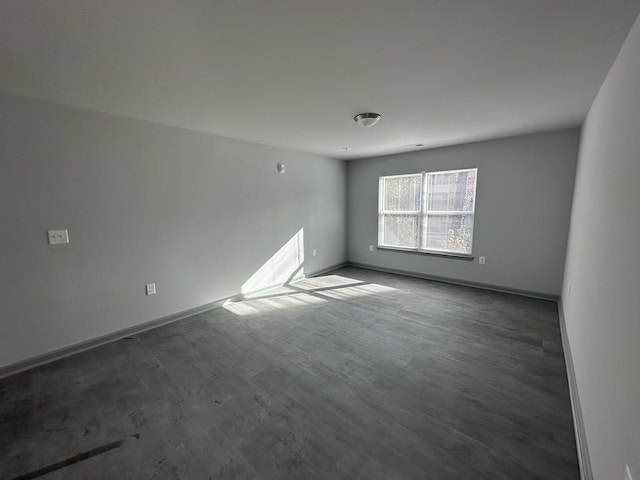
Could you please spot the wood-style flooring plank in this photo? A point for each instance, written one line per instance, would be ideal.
(352, 375)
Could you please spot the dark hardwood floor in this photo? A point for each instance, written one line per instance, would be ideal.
(352, 375)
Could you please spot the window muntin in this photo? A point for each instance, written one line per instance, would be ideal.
(428, 211)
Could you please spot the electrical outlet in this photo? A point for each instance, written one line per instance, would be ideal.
(151, 288)
(627, 473)
(482, 260)
(371, 248)
(314, 252)
(56, 237)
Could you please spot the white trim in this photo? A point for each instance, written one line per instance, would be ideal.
(48, 357)
(449, 212)
(400, 212)
(455, 170)
(453, 281)
(422, 215)
(402, 175)
(431, 251)
(584, 459)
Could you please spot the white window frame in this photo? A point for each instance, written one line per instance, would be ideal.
(382, 212)
(423, 214)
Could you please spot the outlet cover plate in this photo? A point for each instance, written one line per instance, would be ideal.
(57, 237)
(151, 288)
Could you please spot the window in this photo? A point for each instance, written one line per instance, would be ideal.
(428, 211)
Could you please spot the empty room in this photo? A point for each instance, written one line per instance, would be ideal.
(319, 240)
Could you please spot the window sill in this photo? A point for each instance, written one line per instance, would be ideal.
(435, 253)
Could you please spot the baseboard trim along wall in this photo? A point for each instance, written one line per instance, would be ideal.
(581, 441)
(317, 273)
(135, 330)
(483, 286)
(584, 459)
(109, 337)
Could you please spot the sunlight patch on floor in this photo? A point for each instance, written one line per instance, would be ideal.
(359, 290)
(260, 305)
(304, 293)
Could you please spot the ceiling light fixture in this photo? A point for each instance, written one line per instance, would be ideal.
(367, 119)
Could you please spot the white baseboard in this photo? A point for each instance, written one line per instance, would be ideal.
(57, 354)
(586, 473)
(482, 286)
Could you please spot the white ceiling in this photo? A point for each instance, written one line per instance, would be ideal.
(293, 73)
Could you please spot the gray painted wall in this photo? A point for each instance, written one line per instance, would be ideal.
(195, 213)
(523, 202)
(602, 311)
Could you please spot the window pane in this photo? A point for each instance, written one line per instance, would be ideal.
(452, 191)
(402, 193)
(400, 230)
(448, 232)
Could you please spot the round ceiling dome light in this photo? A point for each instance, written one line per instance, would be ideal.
(367, 119)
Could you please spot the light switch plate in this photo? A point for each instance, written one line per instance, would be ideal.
(57, 237)
(482, 260)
